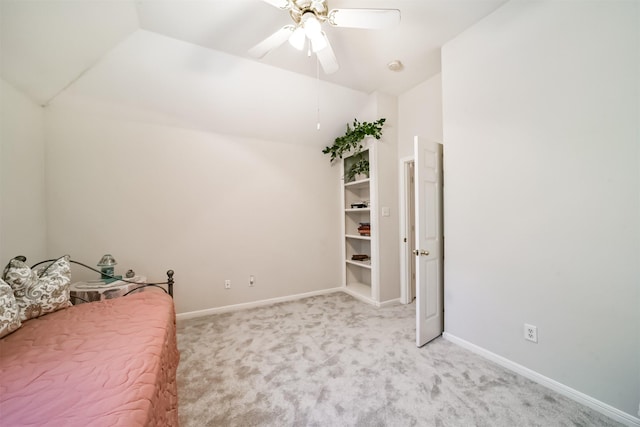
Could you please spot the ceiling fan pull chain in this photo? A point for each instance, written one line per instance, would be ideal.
(318, 80)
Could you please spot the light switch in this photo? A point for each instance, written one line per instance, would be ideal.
(385, 211)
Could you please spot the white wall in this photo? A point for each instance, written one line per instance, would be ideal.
(420, 113)
(542, 210)
(216, 168)
(22, 189)
(387, 167)
(210, 206)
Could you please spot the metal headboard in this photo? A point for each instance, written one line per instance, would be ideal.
(169, 283)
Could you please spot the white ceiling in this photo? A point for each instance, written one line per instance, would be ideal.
(47, 45)
(235, 26)
(168, 82)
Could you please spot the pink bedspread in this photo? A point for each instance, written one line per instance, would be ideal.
(107, 363)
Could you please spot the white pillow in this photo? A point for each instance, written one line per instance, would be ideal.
(9, 310)
(39, 291)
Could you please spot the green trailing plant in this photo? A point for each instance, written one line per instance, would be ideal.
(351, 143)
(359, 166)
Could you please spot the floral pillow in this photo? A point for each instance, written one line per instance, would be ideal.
(9, 310)
(39, 291)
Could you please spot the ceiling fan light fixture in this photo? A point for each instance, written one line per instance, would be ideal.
(309, 16)
(311, 25)
(297, 38)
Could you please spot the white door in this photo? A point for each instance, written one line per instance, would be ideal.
(428, 253)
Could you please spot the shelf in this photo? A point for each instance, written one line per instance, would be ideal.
(358, 210)
(357, 184)
(359, 263)
(355, 236)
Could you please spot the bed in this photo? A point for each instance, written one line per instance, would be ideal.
(104, 363)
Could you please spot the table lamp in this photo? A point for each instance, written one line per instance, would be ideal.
(106, 264)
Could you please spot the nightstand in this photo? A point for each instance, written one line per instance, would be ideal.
(98, 291)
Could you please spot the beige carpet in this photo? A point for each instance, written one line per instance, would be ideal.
(335, 361)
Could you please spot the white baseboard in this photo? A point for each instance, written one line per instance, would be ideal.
(603, 408)
(358, 296)
(368, 300)
(262, 303)
(253, 304)
(389, 302)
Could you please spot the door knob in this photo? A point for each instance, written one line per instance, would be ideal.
(421, 252)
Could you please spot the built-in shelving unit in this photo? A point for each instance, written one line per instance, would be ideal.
(359, 229)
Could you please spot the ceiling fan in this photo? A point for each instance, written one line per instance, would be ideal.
(308, 17)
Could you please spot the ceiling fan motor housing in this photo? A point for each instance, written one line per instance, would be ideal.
(300, 7)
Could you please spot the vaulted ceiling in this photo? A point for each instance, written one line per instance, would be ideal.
(185, 62)
(363, 55)
(46, 45)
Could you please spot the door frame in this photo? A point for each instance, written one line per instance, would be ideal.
(405, 231)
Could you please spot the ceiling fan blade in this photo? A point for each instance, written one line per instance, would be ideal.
(272, 42)
(280, 4)
(374, 19)
(327, 58)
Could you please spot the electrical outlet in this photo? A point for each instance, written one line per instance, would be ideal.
(530, 333)
(227, 284)
(252, 280)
